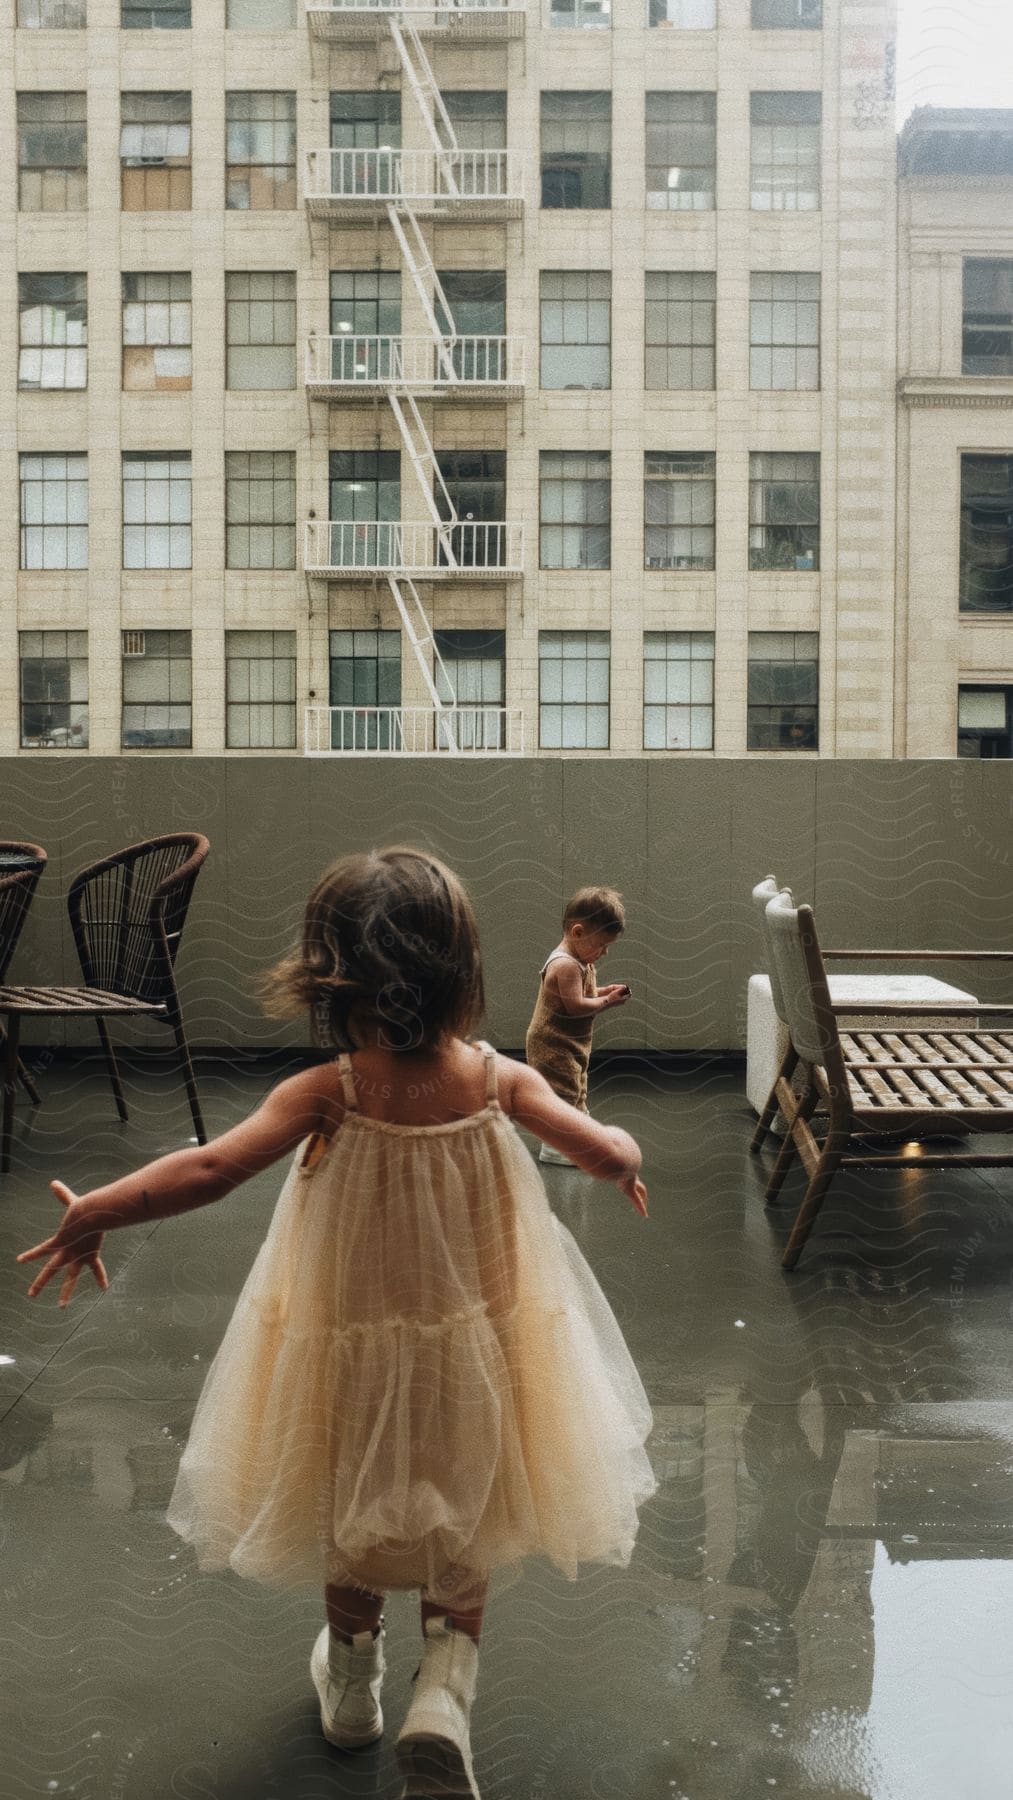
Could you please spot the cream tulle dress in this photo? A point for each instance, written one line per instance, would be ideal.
(422, 1381)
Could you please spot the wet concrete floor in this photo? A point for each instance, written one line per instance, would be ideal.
(821, 1598)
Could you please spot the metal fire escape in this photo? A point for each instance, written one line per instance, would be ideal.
(422, 368)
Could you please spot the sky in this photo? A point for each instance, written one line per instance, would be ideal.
(954, 53)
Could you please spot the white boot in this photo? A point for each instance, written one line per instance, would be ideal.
(433, 1746)
(347, 1677)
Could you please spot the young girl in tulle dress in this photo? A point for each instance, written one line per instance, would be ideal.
(422, 1382)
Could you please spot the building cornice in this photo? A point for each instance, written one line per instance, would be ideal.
(956, 390)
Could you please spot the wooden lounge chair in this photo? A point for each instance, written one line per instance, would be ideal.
(876, 1082)
(127, 914)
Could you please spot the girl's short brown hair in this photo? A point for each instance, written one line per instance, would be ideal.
(601, 908)
(389, 944)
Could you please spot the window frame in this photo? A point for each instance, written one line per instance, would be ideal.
(696, 658)
(768, 193)
(797, 715)
(60, 497)
(70, 166)
(177, 698)
(156, 170)
(583, 524)
(596, 309)
(284, 670)
(281, 480)
(699, 308)
(56, 351)
(74, 659)
(999, 323)
(764, 555)
(564, 704)
(696, 485)
(251, 304)
(699, 118)
(992, 575)
(177, 521)
(772, 309)
(276, 175)
(143, 306)
(572, 169)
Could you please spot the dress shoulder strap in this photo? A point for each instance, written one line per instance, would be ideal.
(560, 956)
(491, 1091)
(344, 1067)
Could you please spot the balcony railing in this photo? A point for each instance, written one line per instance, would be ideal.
(475, 548)
(456, 18)
(351, 183)
(477, 367)
(414, 731)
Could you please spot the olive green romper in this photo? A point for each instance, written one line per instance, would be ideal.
(558, 1045)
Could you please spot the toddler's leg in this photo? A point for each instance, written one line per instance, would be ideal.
(434, 1744)
(351, 1610)
(347, 1667)
(459, 1618)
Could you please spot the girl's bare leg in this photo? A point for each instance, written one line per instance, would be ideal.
(460, 1618)
(351, 1610)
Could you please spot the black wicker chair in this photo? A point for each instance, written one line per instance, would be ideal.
(127, 914)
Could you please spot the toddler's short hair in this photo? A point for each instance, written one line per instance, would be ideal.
(600, 908)
(389, 941)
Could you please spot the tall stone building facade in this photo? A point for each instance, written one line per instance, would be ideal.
(540, 358)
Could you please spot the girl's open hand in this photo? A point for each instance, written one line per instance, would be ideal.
(636, 1193)
(74, 1247)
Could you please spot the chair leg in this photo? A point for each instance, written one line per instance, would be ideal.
(188, 1075)
(111, 1068)
(789, 1150)
(772, 1107)
(28, 1084)
(830, 1156)
(10, 1081)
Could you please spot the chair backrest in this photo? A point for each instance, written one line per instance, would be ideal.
(127, 914)
(20, 868)
(763, 893)
(804, 989)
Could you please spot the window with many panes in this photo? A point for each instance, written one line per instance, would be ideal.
(156, 509)
(576, 323)
(260, 329)
(678, 690)
(575, 509)
(985, 722)
(576, 149)
(784, 331)
(784, 509)
(54, 511)
(52, 152)
(157, 322)
(164, 15)
(988, 316)
(260, 151)
(364, 506)
(679, 309)
(365, 684)
(155, 174)
(787, 15)
(475, 316)
(472, 672)
(53, 15)
(260, 690)
(986, 534)
(681, 170)
(365, 321)
(679, 509)
(580, 15)
(260, 15)
(479, 119)
(54, 689)
(260, 509)
(52, 331)
(475, 484)
(365, 141)
(782, 690)
(156, 690)
(785, 152)
(683, 15)
(573, 690)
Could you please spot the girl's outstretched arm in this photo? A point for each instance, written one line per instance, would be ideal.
(602, 1150)
(183, 1180)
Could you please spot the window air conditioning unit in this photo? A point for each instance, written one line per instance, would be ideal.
(133, 643)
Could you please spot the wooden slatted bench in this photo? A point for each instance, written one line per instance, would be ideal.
(871, 1084)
